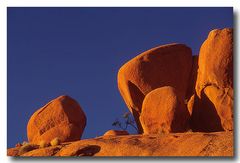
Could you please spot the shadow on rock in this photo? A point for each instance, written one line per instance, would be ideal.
(204, 116)
(90, 150)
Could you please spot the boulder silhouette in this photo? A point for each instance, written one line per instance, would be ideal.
(164, 112)
(214, 85)
(167, 65)
(61, 117)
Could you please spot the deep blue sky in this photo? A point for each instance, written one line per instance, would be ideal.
(78, 52)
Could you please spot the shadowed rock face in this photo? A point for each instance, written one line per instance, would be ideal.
(61, 117)
(193, 77)
(164, 112)
(214, 86)
(204, 115)
(168, 65)
(185, 144)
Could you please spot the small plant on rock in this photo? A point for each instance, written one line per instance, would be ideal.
(56, 141)
(127, 121)
(24, 142)
(43, 144)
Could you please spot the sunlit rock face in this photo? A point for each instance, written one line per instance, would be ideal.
(61, 117)
(115, 133)
(167, 65)
(164, 112)
(173, 144)
(212, 109)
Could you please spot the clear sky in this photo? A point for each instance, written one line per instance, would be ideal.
(78, 52)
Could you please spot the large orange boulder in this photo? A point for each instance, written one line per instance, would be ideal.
(167, 65)
(164, 112)
(61, 117)
(216, 60)
(214, 85)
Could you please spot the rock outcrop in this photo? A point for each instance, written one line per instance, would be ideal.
(164, 112)
(115, 133)
(61, 117)
(212, 109)
(180, 144)
(168, 65)
(168, 91)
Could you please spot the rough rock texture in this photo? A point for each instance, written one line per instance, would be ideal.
(164, 112)
(115, 132)
(13, 151)
(61, 117)
(222, 99)
(181, 144)
(214, 85)
(168, 65)
(216, 60)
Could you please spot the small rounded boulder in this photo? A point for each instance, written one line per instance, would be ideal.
(62, 117)
(164, 112)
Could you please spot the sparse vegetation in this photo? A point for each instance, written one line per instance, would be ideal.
(24, 142)
(56, 141)
(43, 144)
(128, 120)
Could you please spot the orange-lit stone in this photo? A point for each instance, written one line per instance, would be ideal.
(164, 112)
(180, 144)
(61, 117)
(167, 65)
(214, 86)
(115, 132)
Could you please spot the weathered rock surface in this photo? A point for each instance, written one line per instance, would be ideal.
(214, 85)
(164, 112)
(180, 144)
(115, 132)
(216, 60)
(168, 65)
(61, 117)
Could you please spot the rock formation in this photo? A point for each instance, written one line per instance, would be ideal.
(180, 144)
(164, 112)
(213, 102)
(61, 117)
(168, 65)
(167, 90)
(115, 133)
